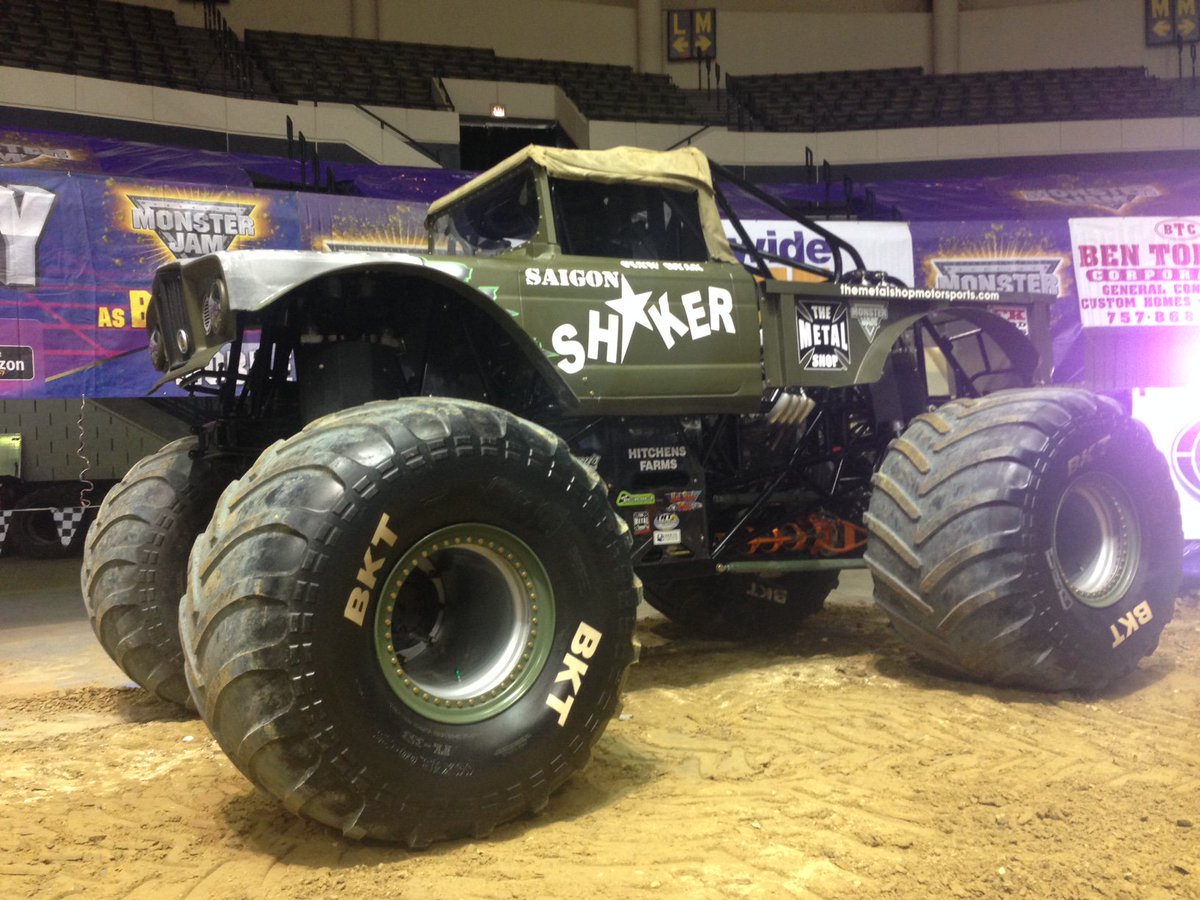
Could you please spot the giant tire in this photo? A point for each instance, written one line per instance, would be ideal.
(739, 606)
(1030, 538)
(135, 563)
(393, 698)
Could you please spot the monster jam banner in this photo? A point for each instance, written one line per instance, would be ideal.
(78, 254)
(1029, 257)
(1139, 271)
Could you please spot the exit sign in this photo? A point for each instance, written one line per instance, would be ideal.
(692, 34)
(1169, 21)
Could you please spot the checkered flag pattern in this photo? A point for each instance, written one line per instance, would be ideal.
(67, 520)
(5, 515)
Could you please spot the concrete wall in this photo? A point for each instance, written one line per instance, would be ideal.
(27, 88)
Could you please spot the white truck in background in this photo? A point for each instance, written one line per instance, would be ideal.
(58, 457)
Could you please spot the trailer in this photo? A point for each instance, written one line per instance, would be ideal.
(58, 459)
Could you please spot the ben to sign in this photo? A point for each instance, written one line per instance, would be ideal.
(1168, 21)
(692, 34)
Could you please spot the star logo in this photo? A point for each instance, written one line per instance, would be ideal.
(631, 307)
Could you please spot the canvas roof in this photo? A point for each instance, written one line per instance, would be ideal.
(685, 169)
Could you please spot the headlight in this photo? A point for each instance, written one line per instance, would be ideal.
(212, 309)
(183, 342)
(158, 353)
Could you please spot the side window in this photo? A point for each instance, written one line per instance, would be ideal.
(627, 221)
(491, 221)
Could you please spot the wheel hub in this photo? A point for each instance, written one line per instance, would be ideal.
(464, 623)
(1096, 541)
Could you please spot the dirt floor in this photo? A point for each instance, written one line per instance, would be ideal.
(825, 765)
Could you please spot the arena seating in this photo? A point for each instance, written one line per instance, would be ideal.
(404, 74)
(124, 42)
(97, 38)
(907, 98)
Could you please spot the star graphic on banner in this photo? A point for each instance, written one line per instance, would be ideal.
(631, 307)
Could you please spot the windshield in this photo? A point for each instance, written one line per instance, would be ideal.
(491, 221)
(629, 221)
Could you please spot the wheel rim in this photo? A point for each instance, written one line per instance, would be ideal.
(465, 623)
(1097, 542)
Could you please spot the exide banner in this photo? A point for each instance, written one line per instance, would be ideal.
(884, 246)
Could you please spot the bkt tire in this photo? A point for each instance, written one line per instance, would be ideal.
(411, 620)
(739, 606)
(1031, 538)
(135, 563)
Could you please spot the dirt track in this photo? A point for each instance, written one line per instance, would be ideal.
(827, 765)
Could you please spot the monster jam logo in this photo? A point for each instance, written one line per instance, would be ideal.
(22, 154)
(823, 336)
(869, 316)
(1030, 275)
(193, 227)
(1117, 199)
(1185, 459)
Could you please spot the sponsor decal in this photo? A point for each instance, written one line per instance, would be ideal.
(657, 459)
(368, 575)
(1185, 458)
(583, 646)
(762, 591)
(16, 363)
(641, 521)
(695, 315)
(1116, 199)
(24, 210)
(1017, 315)
(869, 317)
(1127, 624)
(666, 521)
(1022, 275)
(592, 461)
(668, 538)
(683, 501)
(627, 498)
(822, 336)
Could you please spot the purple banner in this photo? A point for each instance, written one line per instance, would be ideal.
(79, 254)
(101, 156)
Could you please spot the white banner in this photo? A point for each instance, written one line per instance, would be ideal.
(1174, 422)
(1137, 270)
(884, 246)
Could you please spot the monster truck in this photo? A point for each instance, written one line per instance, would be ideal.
(421, 526)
